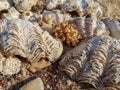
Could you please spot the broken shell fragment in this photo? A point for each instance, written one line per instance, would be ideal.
(12, 13)
(4, 4)
(24, 5)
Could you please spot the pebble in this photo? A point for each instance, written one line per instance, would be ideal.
(36, 84)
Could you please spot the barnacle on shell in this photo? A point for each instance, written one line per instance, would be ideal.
(66, 32)
(22, 38)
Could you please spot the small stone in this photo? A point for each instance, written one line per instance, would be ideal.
(48, 86)
(35, 84)
(1, 88)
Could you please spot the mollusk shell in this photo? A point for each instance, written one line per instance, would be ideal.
(94, 61)
(78, 55)
(93, 69)
(22, 38)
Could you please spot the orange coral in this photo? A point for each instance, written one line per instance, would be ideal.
(67, 33)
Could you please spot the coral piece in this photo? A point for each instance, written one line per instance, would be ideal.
(21, 38)
(48, 19)
(57, 16)
(24, 5)
(95, 60)
(66, 32)
(4, 4)
(10, 65)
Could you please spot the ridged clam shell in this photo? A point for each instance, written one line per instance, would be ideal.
(22, 38)
(94, 63)
(56, 16)
(112, 71)
(73, 61)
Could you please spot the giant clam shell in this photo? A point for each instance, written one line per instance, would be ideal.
(81, 7)
(22, 38)
(94, 67)
(73, 61)
(94, 61)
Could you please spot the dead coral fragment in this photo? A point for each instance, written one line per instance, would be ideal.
(66, 32)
